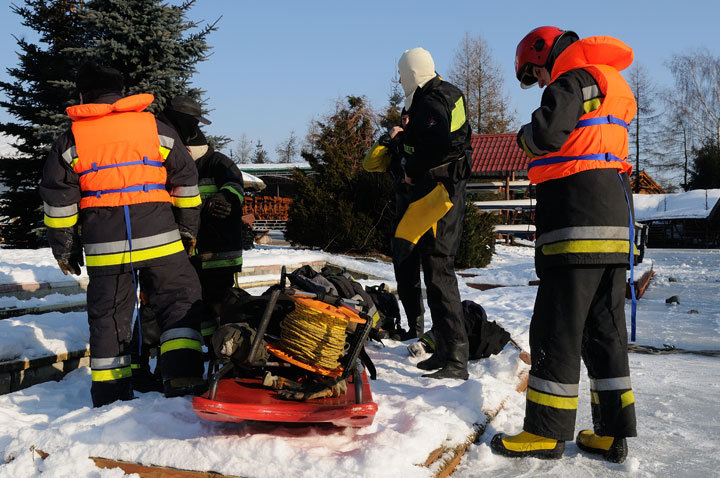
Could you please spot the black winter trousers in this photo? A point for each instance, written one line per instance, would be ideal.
(173, 289)
(579, 313)
(435, 251)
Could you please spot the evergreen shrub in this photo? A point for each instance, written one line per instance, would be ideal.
(477, 244)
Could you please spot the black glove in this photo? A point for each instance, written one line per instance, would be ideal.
(218, 206)
(71, 264)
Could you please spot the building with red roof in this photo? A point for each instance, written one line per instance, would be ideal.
(498, 156)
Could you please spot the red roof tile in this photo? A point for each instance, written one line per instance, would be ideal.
(495, 153)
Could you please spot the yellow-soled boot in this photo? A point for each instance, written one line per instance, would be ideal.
(611, 448)
(527, 444)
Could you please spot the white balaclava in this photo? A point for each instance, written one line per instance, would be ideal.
(416, 68)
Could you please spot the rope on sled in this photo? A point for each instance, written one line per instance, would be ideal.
(313, 336)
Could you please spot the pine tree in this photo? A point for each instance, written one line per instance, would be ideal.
(39, 93)
(342, 208)
(705, 173)
(477, 243)
(151, 42)
(260, 156)
(391, 115)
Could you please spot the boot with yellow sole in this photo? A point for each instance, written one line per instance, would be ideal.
(611, 448)
(527, 444)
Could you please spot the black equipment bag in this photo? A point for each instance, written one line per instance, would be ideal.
(486, 338)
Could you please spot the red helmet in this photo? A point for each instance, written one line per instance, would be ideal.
(534, 50)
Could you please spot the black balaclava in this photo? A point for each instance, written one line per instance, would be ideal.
(565, 40)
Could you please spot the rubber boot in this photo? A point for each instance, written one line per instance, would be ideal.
(181, 386)
(433, 363)
(456, 360)
(611, 448)
(527, 444)
(437, 359)
(416, 328)
(143, 380)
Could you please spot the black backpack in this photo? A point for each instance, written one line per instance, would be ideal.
(388, 323)
(486, 338)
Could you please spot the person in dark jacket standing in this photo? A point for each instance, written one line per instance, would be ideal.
(220, 238)
(578, 145)
(121, 186)
(385, 156)
(432, 159)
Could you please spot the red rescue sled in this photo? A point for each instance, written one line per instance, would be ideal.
(246, 398)
(243, 399)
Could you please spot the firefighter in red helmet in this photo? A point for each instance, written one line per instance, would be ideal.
(578, 144)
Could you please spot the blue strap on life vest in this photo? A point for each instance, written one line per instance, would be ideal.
(129, 189)
(128, 230)
(608, 157)
(145, 161)
(633, 307)
(609, 119)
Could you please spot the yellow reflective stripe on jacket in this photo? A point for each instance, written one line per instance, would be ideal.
(186, 201)
(166, 145)
(458, 115)
(423, 214)
(627, 398)
(177, 344)
(565, 403)
(185, 196)
(137, 256)
(591, 105)
(112, 374)
(70, 156)
(588, 247)
(60, 222)
(577, 233)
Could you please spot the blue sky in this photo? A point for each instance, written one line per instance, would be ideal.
(275, 65)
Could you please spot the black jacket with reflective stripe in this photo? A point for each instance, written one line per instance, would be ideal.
(429, 141)
(104, 227)
(582, 218)
(220, 239)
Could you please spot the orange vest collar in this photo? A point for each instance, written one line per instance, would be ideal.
(600, 50)
(91, 110)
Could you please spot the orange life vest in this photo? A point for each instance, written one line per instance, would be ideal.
(118, 150)
(600, 138)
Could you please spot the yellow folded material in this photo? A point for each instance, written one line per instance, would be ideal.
(377, 159)
(423, 214)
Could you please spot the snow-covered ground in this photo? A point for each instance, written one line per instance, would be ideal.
(677, 396)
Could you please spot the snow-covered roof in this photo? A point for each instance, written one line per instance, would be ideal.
(696, 204)
(273, 167)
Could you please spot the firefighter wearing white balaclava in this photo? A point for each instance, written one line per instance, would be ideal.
(432, 150)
